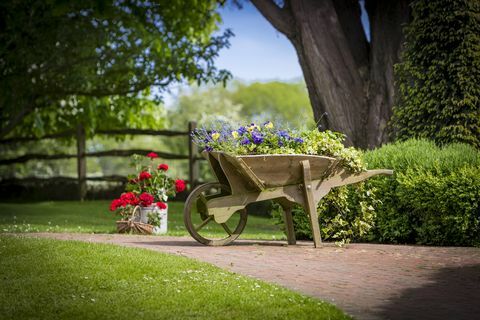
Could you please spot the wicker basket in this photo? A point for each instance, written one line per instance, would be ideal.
(132, 226)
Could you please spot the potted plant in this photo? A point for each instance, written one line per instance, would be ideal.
(148, 192)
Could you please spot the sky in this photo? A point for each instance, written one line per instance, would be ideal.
(257, 51)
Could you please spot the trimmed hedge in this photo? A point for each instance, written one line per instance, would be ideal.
(433, 198)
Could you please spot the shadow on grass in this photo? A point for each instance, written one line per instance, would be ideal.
(454, 293)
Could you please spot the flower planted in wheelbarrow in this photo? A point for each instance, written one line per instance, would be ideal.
(148, 192)
(268, 138)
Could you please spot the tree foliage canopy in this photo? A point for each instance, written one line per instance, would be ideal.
(56, 51)
(284, 101)
(439, 77)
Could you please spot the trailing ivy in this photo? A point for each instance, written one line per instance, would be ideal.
(439, 76)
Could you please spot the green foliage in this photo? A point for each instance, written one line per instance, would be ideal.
(285, 102)
(81, 55)
(434, 196)
(268, 139)
(112, 112)
(51, 279)
(346, 214)
(439, 77)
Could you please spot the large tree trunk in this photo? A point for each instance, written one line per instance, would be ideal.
(349, 80)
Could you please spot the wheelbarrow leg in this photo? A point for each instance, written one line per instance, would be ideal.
(287, 217)
(310, 204)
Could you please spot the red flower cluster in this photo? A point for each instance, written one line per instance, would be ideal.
(117, 203)
(179, 185)
(152, 155)
(144, 175)
(162, 205)
(146, 199)
(163, 167)
(128, 198)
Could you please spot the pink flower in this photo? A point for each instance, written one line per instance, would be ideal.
(162, 205)
(146, 199)
(179, 185)
(152, 155)
(144, 175)
(163, 167)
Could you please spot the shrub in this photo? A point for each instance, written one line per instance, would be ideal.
(439, 76)
(433, 198)
(346, 214)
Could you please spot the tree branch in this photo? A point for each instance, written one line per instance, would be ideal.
(280, 18)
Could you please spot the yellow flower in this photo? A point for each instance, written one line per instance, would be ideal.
(269, 125)
(215, 136)
(235, 134)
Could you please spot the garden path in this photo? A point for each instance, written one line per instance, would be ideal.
(368, 281)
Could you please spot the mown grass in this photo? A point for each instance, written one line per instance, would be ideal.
(51, 279)
(94, 217)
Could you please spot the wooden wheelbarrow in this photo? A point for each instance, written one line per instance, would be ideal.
(287, 179)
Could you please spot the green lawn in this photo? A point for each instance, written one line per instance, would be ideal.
(51, 279)
(94, 217)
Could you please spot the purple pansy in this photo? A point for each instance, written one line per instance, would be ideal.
(257, 137)
(241, 130)
(245, 141)
(283, 134)
(298, 140)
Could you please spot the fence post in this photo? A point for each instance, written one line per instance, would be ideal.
(192, 156)
(81, 163)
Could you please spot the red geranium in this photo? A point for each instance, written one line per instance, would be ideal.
(163, 167)
(146, 199)
(162, 205)
(117, 203)
(130, 198)
(152, 155)
(179, 185)
(144, 175)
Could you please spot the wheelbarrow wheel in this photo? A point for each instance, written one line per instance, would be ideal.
(201, 226)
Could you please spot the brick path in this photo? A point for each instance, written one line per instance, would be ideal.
(367, 281)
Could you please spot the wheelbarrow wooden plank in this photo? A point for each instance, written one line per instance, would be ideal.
(310, 203)
(284, 169)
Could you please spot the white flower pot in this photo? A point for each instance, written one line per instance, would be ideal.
(162, 215)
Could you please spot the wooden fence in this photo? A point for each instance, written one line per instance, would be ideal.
(81, 155)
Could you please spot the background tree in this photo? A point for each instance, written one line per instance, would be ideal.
(439, 76)
(286, 102)
(56, 51)
(348, 77)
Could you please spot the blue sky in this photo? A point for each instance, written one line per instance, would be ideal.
(257, 51)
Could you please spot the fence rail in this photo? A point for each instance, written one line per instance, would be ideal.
(81, 154)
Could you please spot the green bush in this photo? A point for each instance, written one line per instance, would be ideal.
(433, 198)
(346, 214)
(438, 79)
